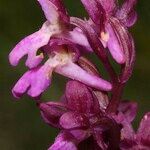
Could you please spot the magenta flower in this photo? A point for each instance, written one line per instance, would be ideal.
(120, 41)
(139, 140)
(90, 115)
(130, 139)
(84, 123)
(81, 119)
(111, 23)
(61, 43)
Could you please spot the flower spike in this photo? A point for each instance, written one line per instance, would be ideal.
(90, 114)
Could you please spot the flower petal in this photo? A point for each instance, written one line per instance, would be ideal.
(51, 112)
(64, 141)
(143, 133)
(75, 72)
(35, 82)
(129, 109)
(95, 43)
(80, 134)
(127, 132)
(29, 46)
(108, 5)
(50, 10)
(80, 98)
(61, 9)
(127, 135)
(77, 36)
(127, 45)
(95, 10)
(127, 13)
(71, 120)
(22, 85)
(131, 20)
(53, 10)
(92, 36)
(114, 46)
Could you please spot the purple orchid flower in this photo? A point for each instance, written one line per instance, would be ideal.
(139, 140)
(63, 45)
(88, 116)
(80, 117)
(112, 24)
(114, 30)
(130, 139)
(84, 123)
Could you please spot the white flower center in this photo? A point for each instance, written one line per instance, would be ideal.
(61, 57)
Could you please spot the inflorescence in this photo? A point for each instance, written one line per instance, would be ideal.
(91, 114)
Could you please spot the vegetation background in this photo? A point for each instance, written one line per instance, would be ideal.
(21, 128)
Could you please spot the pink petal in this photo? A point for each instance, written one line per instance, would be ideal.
(114, 46)
(127, 131)
(72, 120)
(64, 141)
(40, 81)
(53, 10)
(34, 82)
(77, 36)
(50, 10)
(129, 109)
(51, 112)
(95, 10)
(75, 72)
(108, 5)
(131, 20)
(127, 13)
(143, 133)
(29, 46)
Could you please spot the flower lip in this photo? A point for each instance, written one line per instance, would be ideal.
(31, 44)
(34, 82)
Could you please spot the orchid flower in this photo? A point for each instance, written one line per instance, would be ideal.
(79, 116)
(61, 44)
(91, 114)
(130, 139)
(111, 22)
(85, 125)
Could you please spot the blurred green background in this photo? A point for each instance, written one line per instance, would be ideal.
(21, 128)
